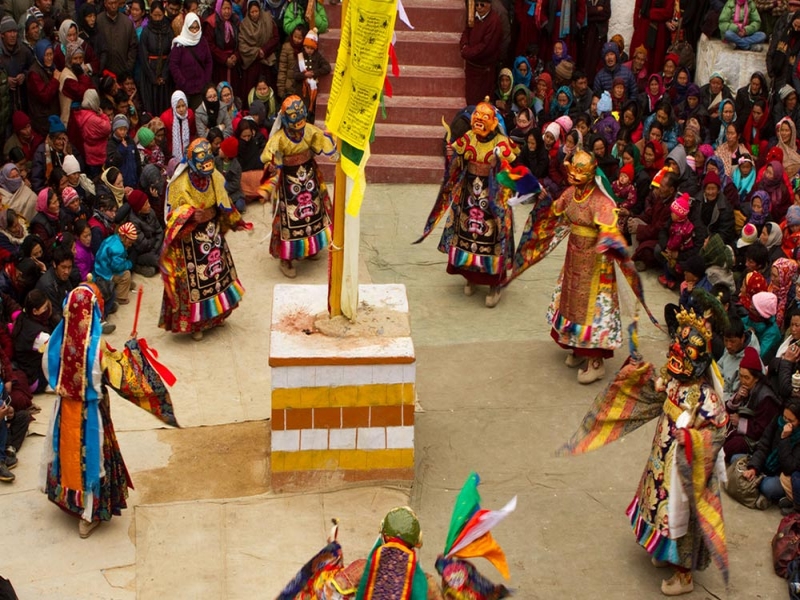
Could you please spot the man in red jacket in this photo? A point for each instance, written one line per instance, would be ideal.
(480, 48)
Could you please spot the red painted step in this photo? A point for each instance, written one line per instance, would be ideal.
(418, 80)
(411, 110)
(424, 15)
(397, 168)
(391, 138)
(435, 48)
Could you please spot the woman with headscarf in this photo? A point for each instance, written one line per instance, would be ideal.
(731, 148)
(692, 108)
(534, 154)
(190, 61)
(73, 84)
(783, 49)
(680, 87)
(652, 95)
(180, 126)
(522, 72)
(715, 163)
(43, 80)
(561, 103)
(630, 122)
(772, 237)
(258, 42)
(137, 14)
(772, 182)
(756, 132)
(154, 45)
(542, 95)
(781, 283)
(228, 101)
(111, 183)
(95, 129)
(68, 32)
(251, 145)
(744, 176)
(209, 114)
(15, 193)
(45, 223)
(786, 132)
(288, 55)
(87, 30)
(221, 31)
(653, 158)
(719, 125)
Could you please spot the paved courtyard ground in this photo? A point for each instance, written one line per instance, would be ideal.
(495, 397)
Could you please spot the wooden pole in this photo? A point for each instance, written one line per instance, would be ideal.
(337, 246)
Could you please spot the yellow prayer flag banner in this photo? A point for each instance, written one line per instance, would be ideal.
(361, 63)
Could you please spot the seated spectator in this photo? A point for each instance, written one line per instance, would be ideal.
(12, 232)
(24, 137)
(502, 94)
(737, 339)
(84, 257)
(581, 94)
(72, 209)
(751, 408)
(79, 181)
(680, 88)
(227, 164)
(31, 332)
(786, 106)
(523, 122)
(95, 129)
(719, 262)
(102, 219)
(209, 114)
(251, 146)
(740, 25)
(665, 117)
(111, 262)
(680, 240)
(612, 68)
(17, 278)
(786, 133)
(731, 148)
(541, 97)
(777, 456)
(784, 365)
(648, 226)
(46, 224)
(772, 237)
(111, 183)
(534, 154)
(55, 282)
(714, 92)
(50, 154)
(790, 228)
(744, 177)
(691, 107)
(122, 153)
(773, 184)
(782, 284)
(761, 319)
(711, 212)
(150, 235)
(694, 277)
(756, 132)
(153, 184)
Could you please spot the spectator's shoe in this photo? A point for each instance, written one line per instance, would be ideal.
(469, 289)
(595, 369)
(11, 462)
(573, 361)
(85, 528)
(787, 506)
(108, 328)
(6, 475)
(493, 299)
(145, 271)
(114, 307)
(756, 48)
(640, 265)
(287, 269)
(677, 585)
(762, 502)
(11, 451)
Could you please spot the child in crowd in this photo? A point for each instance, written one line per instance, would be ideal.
(626, 193)
(111, 263)
(227, 163)
(791, 233)
(681, 238)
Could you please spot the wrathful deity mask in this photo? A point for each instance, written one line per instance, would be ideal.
(484, 120)
(581, 169)
(200, 157)
(293, 116)
(689, 355)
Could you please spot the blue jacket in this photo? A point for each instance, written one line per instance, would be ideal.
(111, 258)
(604, 79)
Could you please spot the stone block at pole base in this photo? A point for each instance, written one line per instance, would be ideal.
(342, 393)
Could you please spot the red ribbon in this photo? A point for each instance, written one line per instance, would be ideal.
(151, 354)
(393, 60)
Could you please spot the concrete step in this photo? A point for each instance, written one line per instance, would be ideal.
(396, 168)
(413, 48)
(424, 15)
(424, 110)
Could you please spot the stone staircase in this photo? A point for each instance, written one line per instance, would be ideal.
(408, 142)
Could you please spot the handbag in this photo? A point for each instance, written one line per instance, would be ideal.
(786, 543)
(743, 490)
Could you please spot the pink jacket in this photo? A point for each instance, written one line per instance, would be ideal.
(96, 129)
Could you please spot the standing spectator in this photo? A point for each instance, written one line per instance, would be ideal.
(50, 153)
(190, 61)
(289, 51)
(307, 80)
(258, 42)
(227, 163)
(604, 80)
(16, 59)
(43, 79)
(740, 25)
(180, 126)
(654, 21)
(119, 39)
(121, 152)
(96, 128)
(746, 96)
(221, 32)
(595, 35)
(783, 50)
(68, 33)
(73, 84)
(154, 45)
(480, 49)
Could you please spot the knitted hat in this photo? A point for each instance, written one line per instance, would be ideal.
(695, 265)
(565, 123)
(681, 205)
(19, 121)
(627, 170)
(793, 215)
(604, 105)
(749, 236)
(145, 136)
(785, 91)
(640, 49)
(8, 24)
(610, 47)
(73, 50)
(68, 195)
(694, 90)
(706, 150)
(554, 130)
(119, 121)
(766, 303)
(70, 165)
(42, 197)
(565, 69)
(56, 125)
(711, 177)
(312, 39)
(137, 199)
(35, 12)
(674, 58)
(751, 360)
(659, 177)
(617, 81)
(128, 230)
(230, 147)
(619, 41)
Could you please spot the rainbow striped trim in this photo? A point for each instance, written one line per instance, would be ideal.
(481, 263)
(292, 249)
(219, 304)
(657, 545)
(578, 331)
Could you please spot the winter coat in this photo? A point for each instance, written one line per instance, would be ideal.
(788, 454)
(726, 23)
(125, 158)
(190, 67)
(111, 258)
(721, 220)
(202, 124)
(95, 128)
(43, 97)
(151, 233)
(604, 80)
(120, 43)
